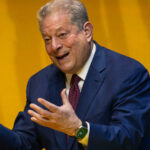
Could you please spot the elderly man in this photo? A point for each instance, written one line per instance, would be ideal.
(89, 98)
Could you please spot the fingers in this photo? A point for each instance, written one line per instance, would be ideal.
(35, 116)
(64, 96)
(51, 107)
(38, 118)
(40, 114)
(44, 113)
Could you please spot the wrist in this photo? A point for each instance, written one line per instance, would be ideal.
(81, 131)
(76, 127)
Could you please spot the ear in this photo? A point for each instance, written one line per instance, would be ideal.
(88, 29)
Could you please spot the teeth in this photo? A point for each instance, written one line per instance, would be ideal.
(60, 57)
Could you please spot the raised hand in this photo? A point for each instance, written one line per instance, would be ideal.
(61, 118)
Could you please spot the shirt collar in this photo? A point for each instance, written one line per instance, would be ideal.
(84, 70)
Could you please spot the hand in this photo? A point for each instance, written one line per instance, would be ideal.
(60, 118)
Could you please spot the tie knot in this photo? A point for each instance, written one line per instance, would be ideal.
(75, 79)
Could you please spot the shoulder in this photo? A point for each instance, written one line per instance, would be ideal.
(115, 60)
(44, 75)
(120, 68)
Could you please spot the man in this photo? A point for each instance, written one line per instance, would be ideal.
(113, 91)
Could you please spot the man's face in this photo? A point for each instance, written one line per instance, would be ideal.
(67, 46)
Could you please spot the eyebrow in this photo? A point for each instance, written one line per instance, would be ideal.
(57, 30)
(60, 29)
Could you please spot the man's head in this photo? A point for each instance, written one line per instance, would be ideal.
(67, 33)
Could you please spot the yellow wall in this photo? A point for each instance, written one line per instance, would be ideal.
(122, 25)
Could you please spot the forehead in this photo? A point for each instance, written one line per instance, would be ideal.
(55, 21)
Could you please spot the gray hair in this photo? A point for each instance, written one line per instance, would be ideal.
(74, 8)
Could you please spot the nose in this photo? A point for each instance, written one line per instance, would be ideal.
(56, 44)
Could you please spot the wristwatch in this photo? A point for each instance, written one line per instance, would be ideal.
(81, 131)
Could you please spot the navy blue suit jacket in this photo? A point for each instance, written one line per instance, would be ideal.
(115, 100)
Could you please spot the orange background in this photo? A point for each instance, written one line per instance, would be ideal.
(121, 25)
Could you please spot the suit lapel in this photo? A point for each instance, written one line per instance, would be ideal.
(92, 85)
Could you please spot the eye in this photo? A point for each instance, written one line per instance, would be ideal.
(62, 35)
(47, 39)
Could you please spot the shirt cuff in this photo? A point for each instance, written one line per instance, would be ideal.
(85, 140)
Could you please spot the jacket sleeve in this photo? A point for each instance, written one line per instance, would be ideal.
(23, 135)
(130, 117)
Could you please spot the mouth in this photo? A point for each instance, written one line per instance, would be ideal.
(62, 56)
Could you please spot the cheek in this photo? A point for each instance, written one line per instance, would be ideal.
(82, 53)
(70, 41)
(48, 49)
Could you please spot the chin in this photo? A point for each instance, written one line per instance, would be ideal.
(66, 69)
(69, 71)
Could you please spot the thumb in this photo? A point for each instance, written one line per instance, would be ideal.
(64, 96)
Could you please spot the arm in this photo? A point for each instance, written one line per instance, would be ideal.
(22, 136)
(9, 140)
(129, 119)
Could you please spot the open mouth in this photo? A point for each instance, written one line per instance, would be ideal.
(63, 56)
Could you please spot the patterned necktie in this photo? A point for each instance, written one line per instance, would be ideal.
(74, 91)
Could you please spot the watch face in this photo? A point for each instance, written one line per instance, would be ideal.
(81, 133)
